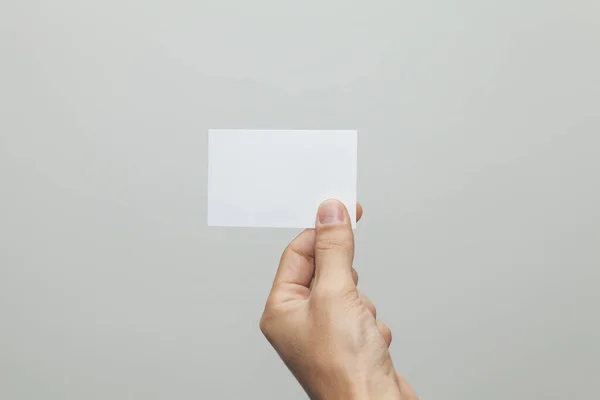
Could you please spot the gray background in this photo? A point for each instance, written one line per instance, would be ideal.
(479, 172)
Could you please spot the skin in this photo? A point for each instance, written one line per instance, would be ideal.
(322, 327)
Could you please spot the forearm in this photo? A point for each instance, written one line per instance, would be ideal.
(372, 387)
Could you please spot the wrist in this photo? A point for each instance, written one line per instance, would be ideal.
(376, 387)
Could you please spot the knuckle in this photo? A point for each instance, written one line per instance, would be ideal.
(286, 252)
(385, 332)
(272, 319)
(268, 318)
(266, 324)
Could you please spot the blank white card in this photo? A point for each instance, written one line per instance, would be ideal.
(278, 178)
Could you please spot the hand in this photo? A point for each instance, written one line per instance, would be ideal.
(323, 328)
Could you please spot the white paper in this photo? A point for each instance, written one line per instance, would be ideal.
(278, 178)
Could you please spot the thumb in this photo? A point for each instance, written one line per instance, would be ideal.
(334, 248)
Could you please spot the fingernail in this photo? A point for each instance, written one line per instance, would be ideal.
(331, 212)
